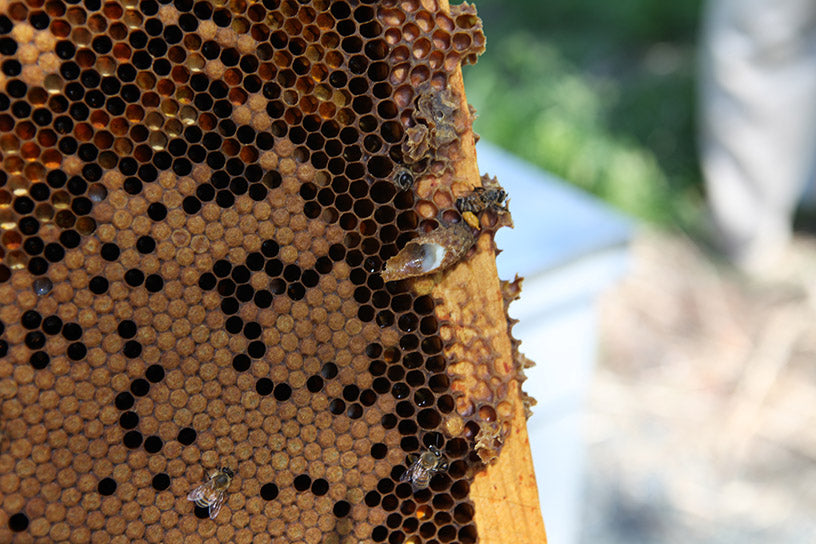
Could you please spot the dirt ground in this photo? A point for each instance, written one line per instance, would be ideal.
(702, 415)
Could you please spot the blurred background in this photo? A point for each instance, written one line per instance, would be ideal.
(600, 94)
(697, 421)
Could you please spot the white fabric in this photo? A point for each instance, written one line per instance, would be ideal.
(757, 120)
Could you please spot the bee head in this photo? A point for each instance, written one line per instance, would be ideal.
(227, 471)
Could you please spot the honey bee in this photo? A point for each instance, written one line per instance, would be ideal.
(403, 178)
(423, 467)
(489, 197)
(211, 493)
(481, 199)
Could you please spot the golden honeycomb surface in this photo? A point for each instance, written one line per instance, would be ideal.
(197, 200)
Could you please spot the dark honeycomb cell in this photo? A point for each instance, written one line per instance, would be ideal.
(132, 186)
(106, 486)
(234, 325)
(355, 411)
(269, 491)
(39, 359)
(191, 205)
(160, 481)
(155, 373)
(23, 205)
(337, 406)
(18, 522)
(186, 436)
(132, 439)
(145, 244)
(264, 386)
(153, 444)
(201, 512)
(207, 281)
(302, 482)
(76, 351)
(35, 340)
(157, 211)
(154, 283)
(16, 88)
(222, 268)
(241, 362)
(341, 509)
(379, 534)
(139, 387)
(71, 331)
(31, 319)
(134, 277)
(98, 285)
(110, 252)
(129, 420)
(252, 330)
(127, 329)
(379, 450)
(314, 384)
(124, 401)
(329, 371)
(351, 392)
(282, 392)
(11, 67)
(8, 46)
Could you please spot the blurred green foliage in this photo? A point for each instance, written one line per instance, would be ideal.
(599, 93)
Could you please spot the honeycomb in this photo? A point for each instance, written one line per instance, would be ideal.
(197, 202)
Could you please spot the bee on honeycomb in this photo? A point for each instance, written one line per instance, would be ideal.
(423, 467)
(483, 198)
(211, 493)
(403, 178)
(491, 196)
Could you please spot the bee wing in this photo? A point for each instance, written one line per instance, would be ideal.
(198, 493)
(419, 478)
(409, 472)
(215, 505)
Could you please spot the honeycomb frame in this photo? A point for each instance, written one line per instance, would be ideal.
(197, 201)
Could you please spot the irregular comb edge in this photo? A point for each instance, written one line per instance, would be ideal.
(480, 375)
(505, 492)
(511, 290)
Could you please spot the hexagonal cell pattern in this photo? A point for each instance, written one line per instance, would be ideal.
(196, 202)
